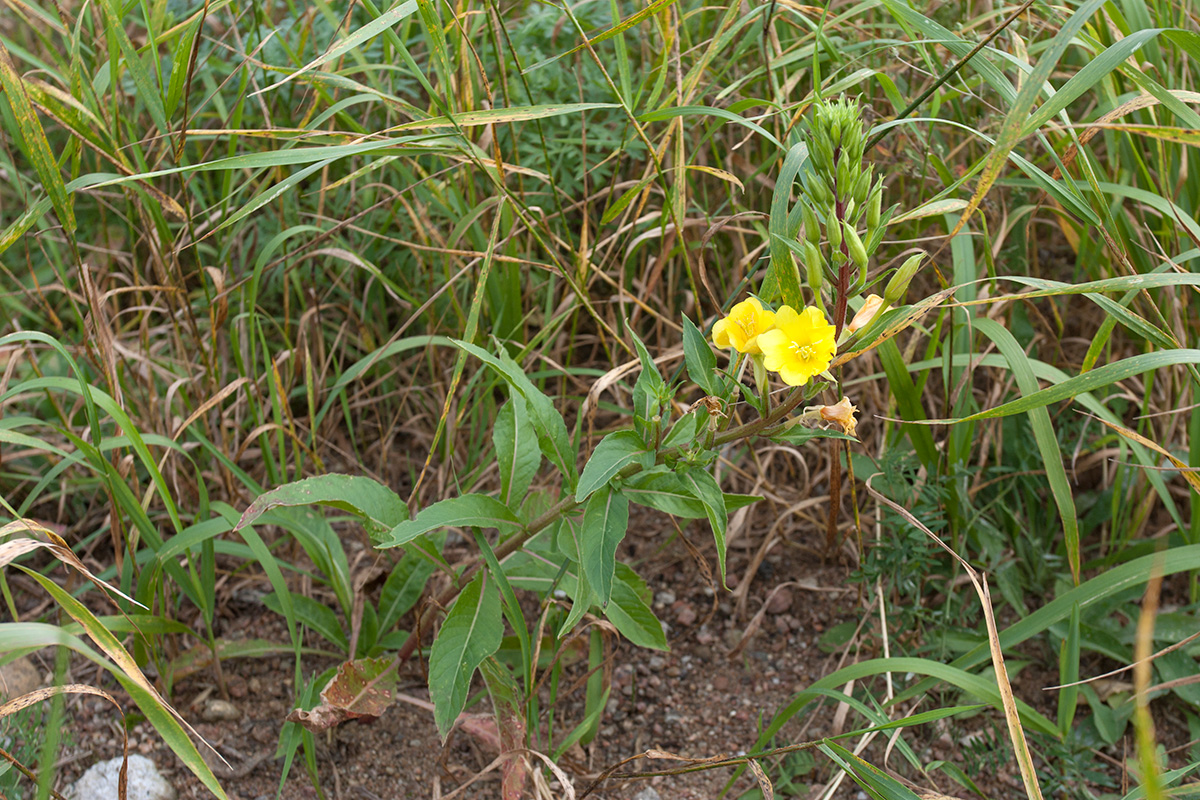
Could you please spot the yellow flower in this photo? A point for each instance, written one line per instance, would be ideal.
(740, 330)
(800, 346)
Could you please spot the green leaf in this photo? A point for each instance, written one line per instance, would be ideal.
(630, 614)
(798, 434)
(687, 430)
(615, 452)
(660, 114)
(403, 588)
(647, 394)
(1087, 382)
(472, 631)
(1043, 434)
(37, 148)
(367, 31)
(147, 92)
(380, 507)
(665, 491)
(552, 430)
(701, 361)
(468, 510)
(495, 116)
(605, 521)
(516, 450)
(704, 488)
(313, 614)
(877, 782)
(783, 278)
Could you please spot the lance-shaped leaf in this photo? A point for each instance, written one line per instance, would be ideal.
(614, 453)
(551, 429)
(701, 361)
(472, 631)
(605, 521)
(516, 450)
(380, 507)
(704, 488)
(629, 613)
(666, 492)
(647, 393)
(466, 511)
(403, 588)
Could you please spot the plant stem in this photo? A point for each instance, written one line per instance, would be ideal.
(568, 504)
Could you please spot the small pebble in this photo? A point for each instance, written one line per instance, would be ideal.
(220, 711)
(685, 613)
(780, 602)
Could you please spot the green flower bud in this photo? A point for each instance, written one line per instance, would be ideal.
(812, 227)
(814, 266)
(833, 229)
(845, 178)
(848, 213)
(855, 245)
(898, 286)
(874, 206)
(862, 187)
(822, 150)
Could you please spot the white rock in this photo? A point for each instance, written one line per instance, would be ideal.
(647, 794)
(100, 782)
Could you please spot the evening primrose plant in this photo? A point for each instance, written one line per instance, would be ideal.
(559, 537)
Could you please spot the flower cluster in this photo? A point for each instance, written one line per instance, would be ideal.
(797, 344)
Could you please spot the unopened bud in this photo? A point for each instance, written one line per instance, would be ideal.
(862, 319)
(812, 226)
(814, 266)
(862, 187)
(845, 178)
(855, 245)
(898, 286)
(833, 229)
(874, 207)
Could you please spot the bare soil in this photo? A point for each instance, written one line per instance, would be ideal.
(710, 695)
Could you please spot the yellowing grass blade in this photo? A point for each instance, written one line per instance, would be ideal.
(1187, 472)
(37, 148)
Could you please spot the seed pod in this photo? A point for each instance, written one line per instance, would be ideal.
(848, 212)
(814, 266)
(855, 245)
(833, 229)
(898, 286)
(812, 227)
